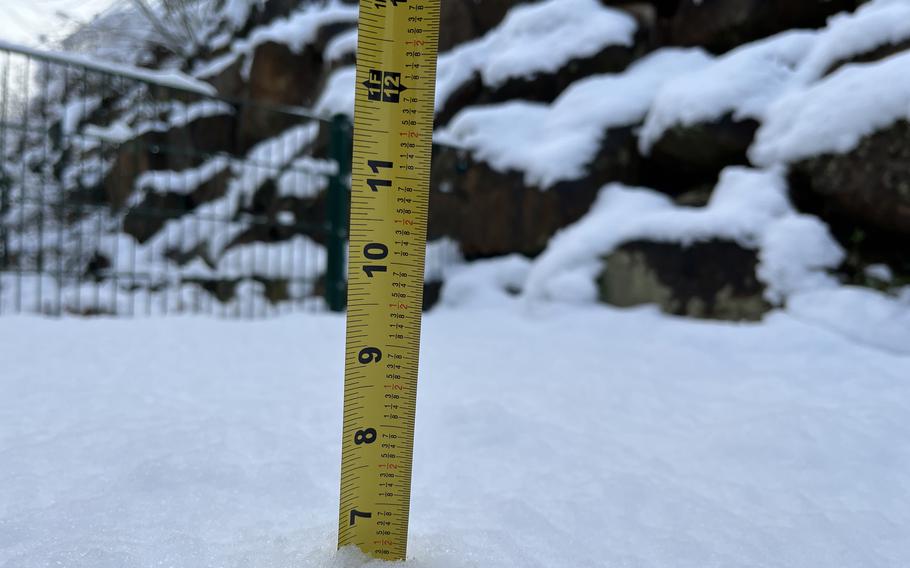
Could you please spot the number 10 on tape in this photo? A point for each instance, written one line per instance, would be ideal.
(393, 128)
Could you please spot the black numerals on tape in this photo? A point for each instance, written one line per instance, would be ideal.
(365, 436)
(384, 86)
(355, 513)
(384, 3)
(375, 251)
(369, 355)
(376, 183)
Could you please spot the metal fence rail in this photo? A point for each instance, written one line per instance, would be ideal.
(120, 195)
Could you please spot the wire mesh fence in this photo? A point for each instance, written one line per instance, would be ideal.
(127, 194)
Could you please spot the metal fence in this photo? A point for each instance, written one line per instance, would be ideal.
(124, 193)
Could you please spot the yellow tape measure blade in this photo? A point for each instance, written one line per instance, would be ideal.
(393, 128)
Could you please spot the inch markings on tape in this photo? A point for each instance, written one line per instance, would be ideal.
(393, 129)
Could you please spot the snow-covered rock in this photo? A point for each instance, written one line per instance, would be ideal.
(875, 30)
(833, 115)
(749, 208)
(534, 52)
(845, 140)
(722, 25)
(556, 142)
(741, 83)
(703, 121)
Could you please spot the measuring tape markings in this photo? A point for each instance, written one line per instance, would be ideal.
(394, 102)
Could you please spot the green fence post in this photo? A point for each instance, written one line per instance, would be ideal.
(337, 200)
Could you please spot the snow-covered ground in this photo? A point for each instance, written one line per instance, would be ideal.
(555, 437)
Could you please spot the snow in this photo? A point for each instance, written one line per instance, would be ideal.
(238, 11)
(866, 316)
(580, 437)
(298, 258)
(566, 135)
(75, 111)
(185, 181)
(794, 253)
(875, 25)
(532, 39)
(742, 83)
(749, 207)
(300, 28)
(306, 177)
(880, 272)
(337, 96)
(341, 45)
(485, 282)
(269, 157)
(833, 115)
(170, 78)
(296, 31)
(442, 255)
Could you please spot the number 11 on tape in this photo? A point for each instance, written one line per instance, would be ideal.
(393, 131)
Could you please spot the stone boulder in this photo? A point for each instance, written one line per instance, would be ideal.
(714, 279)
(278, 76)
(870, 185)
(720, 25)
(229, 81)
(461, 21)
(492, 213)
(878, 53)
(542, 87)
(864, 196)
(686, 156)
(176, 149)
(145, 220)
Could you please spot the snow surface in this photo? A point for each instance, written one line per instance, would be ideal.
(864, 315)
(578, 437)
(552, 143)
(742, 83)
(833, 115)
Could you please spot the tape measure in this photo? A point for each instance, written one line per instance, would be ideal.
(393, 129)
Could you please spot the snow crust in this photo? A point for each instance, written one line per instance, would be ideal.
(584, 437)
(833, 115)
(552, 143)
(743, 83)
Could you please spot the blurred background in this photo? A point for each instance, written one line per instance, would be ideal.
(179, 155)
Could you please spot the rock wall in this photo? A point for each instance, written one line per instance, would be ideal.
(864, 195)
